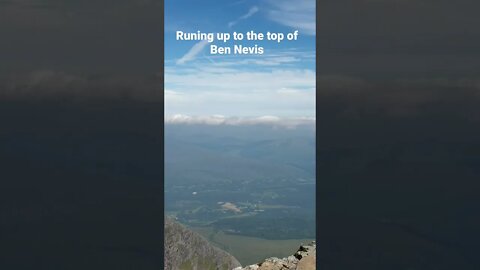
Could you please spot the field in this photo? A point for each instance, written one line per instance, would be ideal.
(249, 250)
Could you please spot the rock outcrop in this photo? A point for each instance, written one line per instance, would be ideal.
(303, 259)
(187, 250)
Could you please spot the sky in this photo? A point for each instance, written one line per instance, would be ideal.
(278, 83)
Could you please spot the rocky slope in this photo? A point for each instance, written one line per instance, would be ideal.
(187, 250)
(303, 259)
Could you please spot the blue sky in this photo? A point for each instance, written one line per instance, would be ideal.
(279, 83)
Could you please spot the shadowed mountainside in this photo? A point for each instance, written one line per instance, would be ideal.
(185, 250)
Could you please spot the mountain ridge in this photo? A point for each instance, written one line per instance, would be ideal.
(187, 250)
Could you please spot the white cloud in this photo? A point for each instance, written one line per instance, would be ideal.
(262, 61)
(173, 96)
(276, 121)
(193, 52)
(249, 14)
(197, 48)
(299, 15)
(240, 80)
(237, 91)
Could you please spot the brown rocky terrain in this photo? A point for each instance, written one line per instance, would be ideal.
(303, 259)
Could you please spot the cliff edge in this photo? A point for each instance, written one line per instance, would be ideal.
(303, 259)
